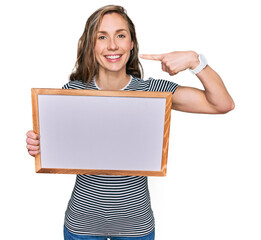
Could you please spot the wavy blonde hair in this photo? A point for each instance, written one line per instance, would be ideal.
(86, 66)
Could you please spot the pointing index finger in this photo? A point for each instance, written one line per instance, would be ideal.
(155, 57)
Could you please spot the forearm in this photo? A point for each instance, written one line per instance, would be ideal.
(215, 90)
(213, 99)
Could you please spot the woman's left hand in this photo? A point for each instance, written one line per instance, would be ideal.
(175, 62)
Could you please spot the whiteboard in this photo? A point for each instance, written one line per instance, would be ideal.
(101, 132)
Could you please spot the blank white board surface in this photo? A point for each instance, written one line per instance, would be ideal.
(101, 132)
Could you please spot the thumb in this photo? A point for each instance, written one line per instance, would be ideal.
(155, 57)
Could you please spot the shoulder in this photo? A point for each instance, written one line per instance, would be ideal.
(153, 85)
(77, 84)
(74, 85)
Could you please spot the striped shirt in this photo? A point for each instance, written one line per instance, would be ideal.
(113, 205)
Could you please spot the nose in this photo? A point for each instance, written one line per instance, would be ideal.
(112, 45)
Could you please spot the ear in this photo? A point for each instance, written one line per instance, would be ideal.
(132, 45)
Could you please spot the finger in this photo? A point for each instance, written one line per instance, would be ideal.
(32, 147)
(163, 66)
(31, 141)
(33, 153)
(155, 57)
(31, 134)
(172, 73)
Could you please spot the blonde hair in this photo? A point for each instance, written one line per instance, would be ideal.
(86, 66)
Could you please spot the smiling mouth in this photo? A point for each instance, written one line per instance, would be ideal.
(113, 57)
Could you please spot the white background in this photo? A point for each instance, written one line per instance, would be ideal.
(212, 189)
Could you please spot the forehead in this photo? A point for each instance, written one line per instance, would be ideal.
(113, 22)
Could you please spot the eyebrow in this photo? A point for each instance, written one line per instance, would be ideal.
(118, 30)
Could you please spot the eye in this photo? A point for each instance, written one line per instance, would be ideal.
(101, 37)
(121, 36)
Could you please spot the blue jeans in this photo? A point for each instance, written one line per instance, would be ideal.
(70, 236)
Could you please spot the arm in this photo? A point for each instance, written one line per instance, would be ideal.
(213, 99)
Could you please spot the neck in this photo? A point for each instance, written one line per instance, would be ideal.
(112, 80)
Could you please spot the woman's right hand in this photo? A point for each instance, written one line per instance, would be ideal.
(33, 143)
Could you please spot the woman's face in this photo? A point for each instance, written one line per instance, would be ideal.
(113, 44)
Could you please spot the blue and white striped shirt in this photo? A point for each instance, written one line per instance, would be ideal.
(113, 205)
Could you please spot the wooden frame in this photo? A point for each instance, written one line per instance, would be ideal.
(53, 113)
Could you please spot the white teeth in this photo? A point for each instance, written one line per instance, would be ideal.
(113, 56)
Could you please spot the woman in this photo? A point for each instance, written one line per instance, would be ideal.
(119, 206)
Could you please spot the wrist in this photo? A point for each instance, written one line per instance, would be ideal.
(202, 63)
